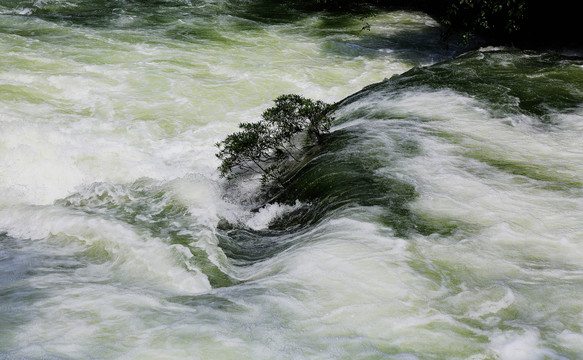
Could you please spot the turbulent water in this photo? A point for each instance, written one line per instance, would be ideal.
(441, 219)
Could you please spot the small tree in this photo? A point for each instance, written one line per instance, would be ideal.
(265, 147)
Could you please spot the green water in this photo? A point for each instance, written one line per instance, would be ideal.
(439, 220)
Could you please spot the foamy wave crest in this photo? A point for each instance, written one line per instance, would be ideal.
(128, 254)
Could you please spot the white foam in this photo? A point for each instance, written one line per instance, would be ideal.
(571, 340)
(492, 307)
(268, 213)
(519, 346)
(132, 256)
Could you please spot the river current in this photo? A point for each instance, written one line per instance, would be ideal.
(441, 219)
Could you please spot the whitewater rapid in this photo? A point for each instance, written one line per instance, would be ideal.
(441, 220)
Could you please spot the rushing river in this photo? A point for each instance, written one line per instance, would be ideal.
(441, 219)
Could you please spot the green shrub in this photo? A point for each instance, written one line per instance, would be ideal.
(267, 147)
